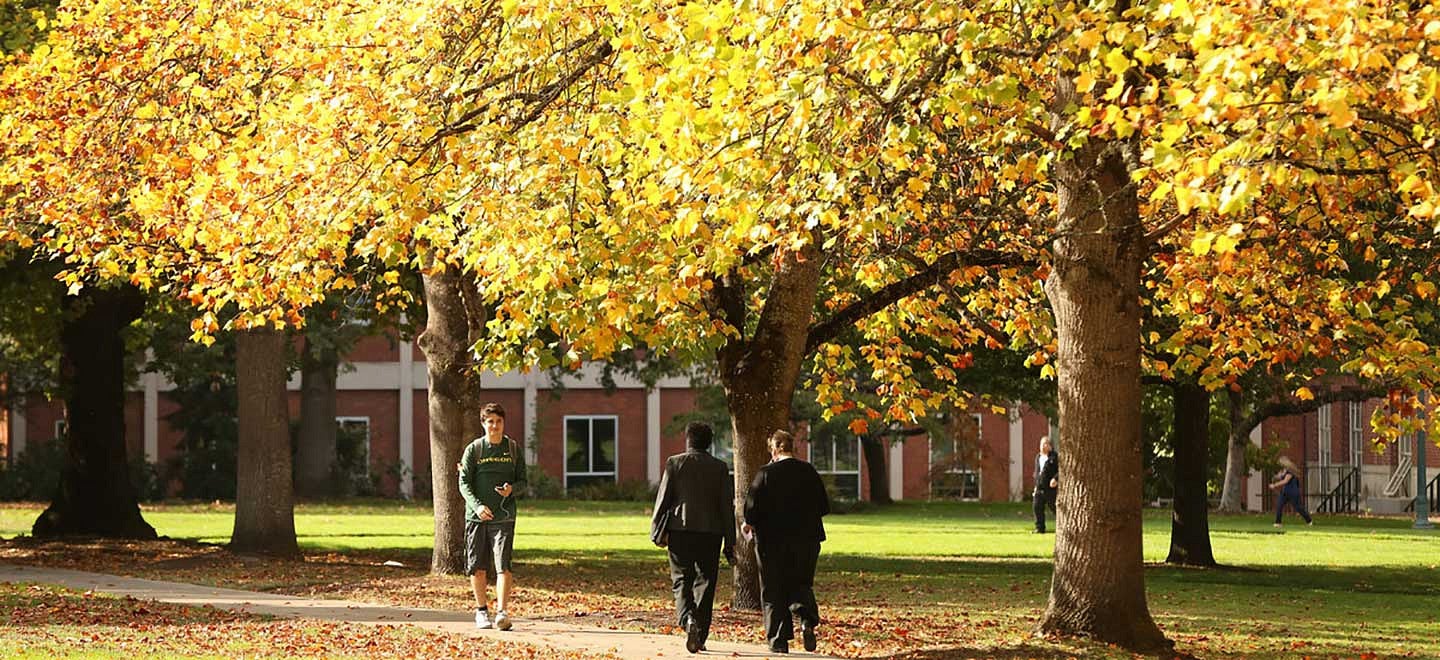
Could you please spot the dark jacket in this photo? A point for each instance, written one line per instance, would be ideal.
(698, 495)
(1051, 470)
(787, 499)
(1291, 487)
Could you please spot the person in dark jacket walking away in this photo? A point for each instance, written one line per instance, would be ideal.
(492, 471)
(783, 509)
(1047, 481)
(1287, 486)
(695, 515)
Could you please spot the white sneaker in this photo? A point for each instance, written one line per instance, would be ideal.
(482, 619)
(502, 620)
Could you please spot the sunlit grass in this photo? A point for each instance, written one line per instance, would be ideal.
(966, 576)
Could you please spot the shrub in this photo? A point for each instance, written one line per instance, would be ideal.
(542, 485)
(146, 480)
(35, 474)
(632, 490)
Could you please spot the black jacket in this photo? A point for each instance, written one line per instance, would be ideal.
(698, 495)
(1050, 471)
(787, 499)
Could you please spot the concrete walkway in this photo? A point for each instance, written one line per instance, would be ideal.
(623, 643)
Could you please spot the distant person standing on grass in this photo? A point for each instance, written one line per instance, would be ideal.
(787, 499)
(492, 469)
(695, 519)
(1287, 486)
(1047, 481)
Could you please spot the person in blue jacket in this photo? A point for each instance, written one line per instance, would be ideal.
(1287, 485)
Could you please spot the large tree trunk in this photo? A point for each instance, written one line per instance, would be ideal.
(1190, 523)
(1098, 589)
(454, 321)
(95, 497)
(1232, 497)
(759, 376)
(873, 447)
(264, 501)
(315, 452)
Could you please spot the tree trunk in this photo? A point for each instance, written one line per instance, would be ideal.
(759, 377)
(1232, 499)
(315, 454)
(1190, 523)
(264, 502)
(95, 496)
(1098, 589)
(453, 323)
(873, 447)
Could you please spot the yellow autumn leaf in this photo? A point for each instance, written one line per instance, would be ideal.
(1200, 245)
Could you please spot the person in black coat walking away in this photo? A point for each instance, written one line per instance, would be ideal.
(783, 509)
(694, 515)
(1047, 481)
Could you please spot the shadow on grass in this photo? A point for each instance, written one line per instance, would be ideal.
(959, 652)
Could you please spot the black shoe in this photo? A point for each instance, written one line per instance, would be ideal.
(807, 635)
(780, 647)
(1039, 531)
(692, 636)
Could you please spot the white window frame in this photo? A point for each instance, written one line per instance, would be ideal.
(60, 427)
(1357, 434)
(836, 475)
(955, 449)
(341, 420)
(1324, 445)
(1324, 438)
(614, 474)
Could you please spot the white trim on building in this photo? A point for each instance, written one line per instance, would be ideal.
(652, 435)
(1017, 452)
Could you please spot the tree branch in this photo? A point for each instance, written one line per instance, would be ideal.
(1292, 406)
(928, 276)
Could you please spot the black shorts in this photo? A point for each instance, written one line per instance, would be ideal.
(488, 546)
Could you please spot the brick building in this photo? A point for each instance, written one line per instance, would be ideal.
(581, 433)
(1335, 448)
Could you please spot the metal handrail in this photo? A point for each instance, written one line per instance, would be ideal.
(1345, 497)
(1432, 493)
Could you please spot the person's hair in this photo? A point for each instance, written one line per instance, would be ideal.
(492, 408)
(699, 435)
(1044, 439)
(782, 441)
(1288, 464)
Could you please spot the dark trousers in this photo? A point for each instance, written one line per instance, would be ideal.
(787, 584)
(694, 567)
(1043, 497)
(1294, 499)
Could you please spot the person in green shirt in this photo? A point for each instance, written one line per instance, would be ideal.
(492, 472)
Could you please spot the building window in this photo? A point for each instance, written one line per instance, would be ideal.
(837, 459)
(352, 452)
(590, 449)
(60, 429)
(953, 458)
(1357, 434)
(723, 448)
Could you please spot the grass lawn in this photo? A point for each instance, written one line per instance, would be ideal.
(917, 580)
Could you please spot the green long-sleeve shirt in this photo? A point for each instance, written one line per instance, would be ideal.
(484, 466)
